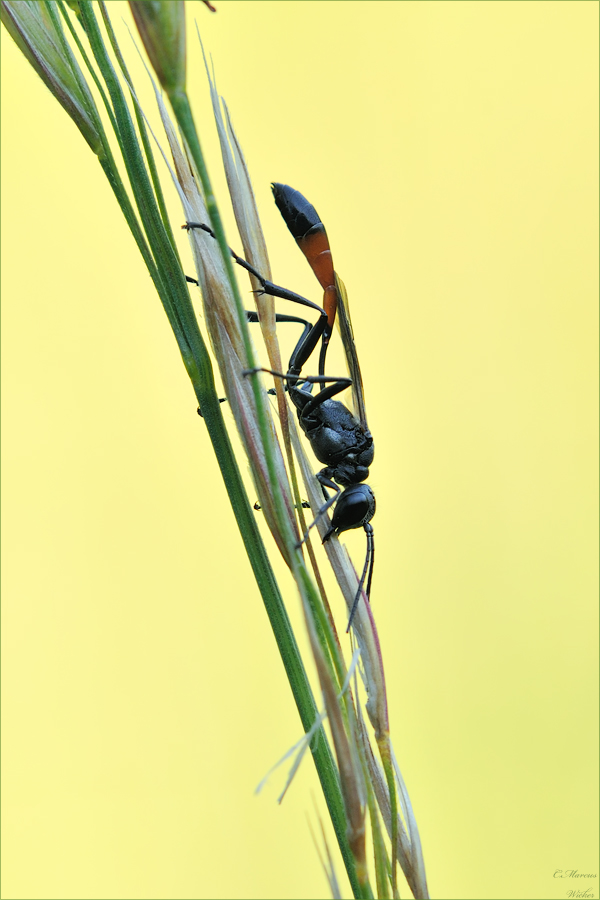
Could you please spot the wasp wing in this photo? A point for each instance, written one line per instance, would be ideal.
(347, 334)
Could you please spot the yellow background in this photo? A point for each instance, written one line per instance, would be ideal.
(451, 150)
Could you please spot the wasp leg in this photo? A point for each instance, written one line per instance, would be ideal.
(325, 482)
(309, 340)
(221, 400)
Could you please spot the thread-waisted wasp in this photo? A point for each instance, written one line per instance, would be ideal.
(339, 439)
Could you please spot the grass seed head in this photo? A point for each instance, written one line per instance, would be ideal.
(162, 29)
(36, 35)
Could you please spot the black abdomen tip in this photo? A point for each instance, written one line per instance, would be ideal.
(298, 214)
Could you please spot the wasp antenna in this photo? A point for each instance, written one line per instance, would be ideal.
(369, 559)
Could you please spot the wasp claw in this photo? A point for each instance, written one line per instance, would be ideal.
(221, 400)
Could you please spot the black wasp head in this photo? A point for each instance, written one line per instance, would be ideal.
(355, 507)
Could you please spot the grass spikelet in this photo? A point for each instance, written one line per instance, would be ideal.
(361, 791)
